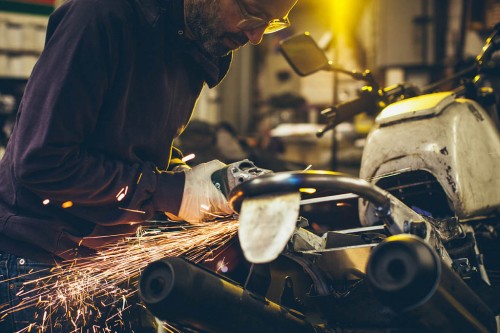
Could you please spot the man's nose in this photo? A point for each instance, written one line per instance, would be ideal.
(255, 35)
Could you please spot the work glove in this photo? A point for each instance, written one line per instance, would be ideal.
(201, 200)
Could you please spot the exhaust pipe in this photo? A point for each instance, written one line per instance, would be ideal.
(178, 291)
(407, 276)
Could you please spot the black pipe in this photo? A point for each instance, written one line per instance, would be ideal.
(181, 292)
(291, 181)
(407, 275)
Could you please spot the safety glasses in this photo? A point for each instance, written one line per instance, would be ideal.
(251, 22)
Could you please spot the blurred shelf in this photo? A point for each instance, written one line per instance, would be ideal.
(43, 8)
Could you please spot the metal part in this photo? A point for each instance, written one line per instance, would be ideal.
(302, 222)
(408, 276)
(379, 228)
(236, 173)
(463, 267)
(400, 220)
(181, 292)
(304, 240)
(344, 256)
(287, 297)
(478, 262)
(338, 197)
(344, 263)
(267, 222)
(284, 182)
(448, 228)
(418, 229)
(385, 207)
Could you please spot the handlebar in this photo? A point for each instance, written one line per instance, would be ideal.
(365, 102)
(492, 45)
(371, 99)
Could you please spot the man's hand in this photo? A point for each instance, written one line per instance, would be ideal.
(201, 200)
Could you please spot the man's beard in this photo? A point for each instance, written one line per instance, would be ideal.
(205, 23)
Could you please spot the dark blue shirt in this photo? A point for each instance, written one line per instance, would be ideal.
(114, 86)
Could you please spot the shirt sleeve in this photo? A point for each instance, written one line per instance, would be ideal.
(59, 111)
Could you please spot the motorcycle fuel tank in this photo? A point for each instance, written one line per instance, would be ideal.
(452, 138)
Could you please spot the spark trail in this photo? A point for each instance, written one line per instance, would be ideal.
(98, 289)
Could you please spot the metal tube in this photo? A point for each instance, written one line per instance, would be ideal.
(285, 182)
(407, 275)
(179, 291)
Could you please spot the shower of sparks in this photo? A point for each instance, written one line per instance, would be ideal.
(71, 291)
(122, 193)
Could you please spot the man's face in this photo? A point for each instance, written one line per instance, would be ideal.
(217, 24)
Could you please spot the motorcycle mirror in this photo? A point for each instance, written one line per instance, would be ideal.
(303, 54)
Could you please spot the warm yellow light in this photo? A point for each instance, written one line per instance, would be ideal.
(67, 204)
(343, 18)
(308, 190)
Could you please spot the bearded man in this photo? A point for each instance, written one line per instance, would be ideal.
(91, 155)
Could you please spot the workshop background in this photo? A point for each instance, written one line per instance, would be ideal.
(266, 112)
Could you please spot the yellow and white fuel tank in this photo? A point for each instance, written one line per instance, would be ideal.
(454, 139)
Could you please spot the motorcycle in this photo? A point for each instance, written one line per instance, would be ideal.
(425, 255)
